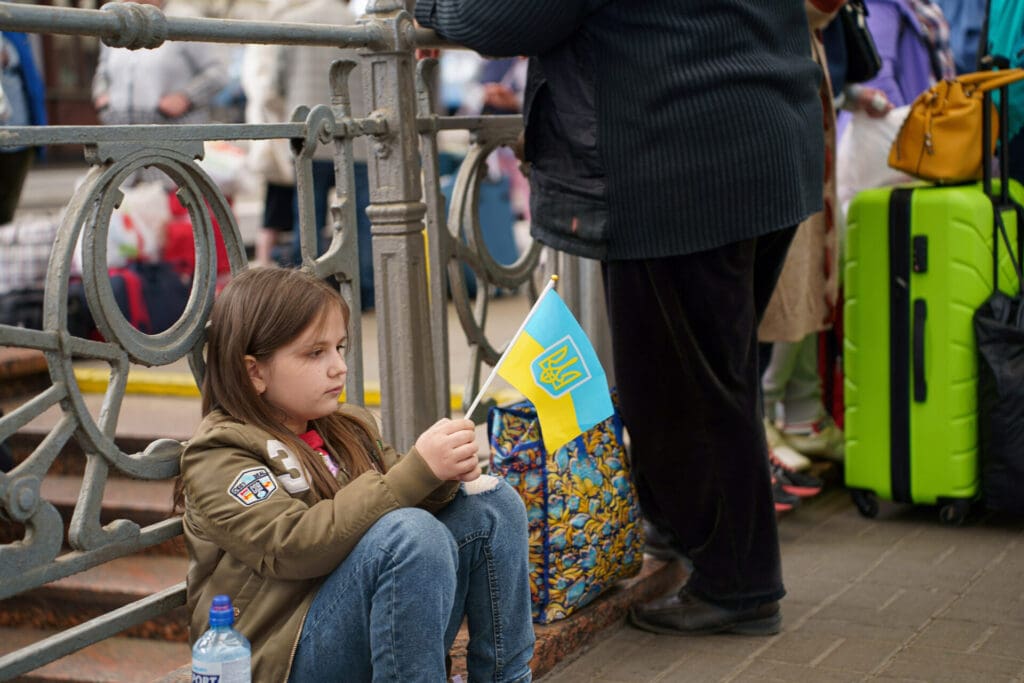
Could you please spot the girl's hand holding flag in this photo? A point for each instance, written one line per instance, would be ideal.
(449, 447)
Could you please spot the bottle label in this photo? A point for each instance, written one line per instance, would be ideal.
(237, 671)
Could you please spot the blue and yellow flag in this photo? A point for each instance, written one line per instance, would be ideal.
(553, 364)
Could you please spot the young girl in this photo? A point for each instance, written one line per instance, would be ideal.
(344, 560)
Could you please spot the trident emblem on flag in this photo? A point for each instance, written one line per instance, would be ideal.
(560, 368)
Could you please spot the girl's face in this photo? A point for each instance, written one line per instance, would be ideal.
(304, 378)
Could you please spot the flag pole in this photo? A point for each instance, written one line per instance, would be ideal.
(494, 370)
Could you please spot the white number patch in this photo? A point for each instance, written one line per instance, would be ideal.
(294, 481)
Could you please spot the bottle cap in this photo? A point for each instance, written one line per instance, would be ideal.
(221, 612)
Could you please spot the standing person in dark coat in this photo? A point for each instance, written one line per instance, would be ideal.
(24, 104)
(680, 143)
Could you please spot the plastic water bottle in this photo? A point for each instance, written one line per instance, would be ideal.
(222, 654)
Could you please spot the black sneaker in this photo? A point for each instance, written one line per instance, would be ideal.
(799, 484)
(784, 501)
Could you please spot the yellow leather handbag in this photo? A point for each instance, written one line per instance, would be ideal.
(941, 138)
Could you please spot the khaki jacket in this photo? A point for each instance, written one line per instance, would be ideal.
(805, 295)
(253, 531)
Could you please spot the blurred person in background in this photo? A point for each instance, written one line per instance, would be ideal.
(966, 19)
(803, 304)
(23, 104)
(173, 83)
(303, 78)
(913, 40)
(271, 160)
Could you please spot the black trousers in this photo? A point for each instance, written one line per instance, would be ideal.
(684, 339)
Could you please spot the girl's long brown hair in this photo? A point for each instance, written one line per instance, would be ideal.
(260, 311)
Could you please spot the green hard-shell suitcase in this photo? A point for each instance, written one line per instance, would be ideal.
(919, 261)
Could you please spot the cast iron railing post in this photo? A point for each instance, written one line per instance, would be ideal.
(396, 214)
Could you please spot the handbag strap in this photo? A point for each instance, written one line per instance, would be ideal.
(990, 80)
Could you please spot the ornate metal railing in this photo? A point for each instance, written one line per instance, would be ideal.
(405, 196)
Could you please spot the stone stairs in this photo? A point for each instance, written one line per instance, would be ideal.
(157, 650)
(141, 653)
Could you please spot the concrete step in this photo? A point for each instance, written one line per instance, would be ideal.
(114, 660)
(142, 418)
(143, 502)
(30, 618)
(140, 653)
(557, 641)
(23, 372)
(72, 459)
(92, 593)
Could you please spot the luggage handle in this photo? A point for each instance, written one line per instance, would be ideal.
(993, 62)
(1004, 201)
(999, 231)
(920, 383)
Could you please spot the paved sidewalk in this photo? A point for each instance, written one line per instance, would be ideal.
(898, 598)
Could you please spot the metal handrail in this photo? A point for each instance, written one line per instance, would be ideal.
(406, 202)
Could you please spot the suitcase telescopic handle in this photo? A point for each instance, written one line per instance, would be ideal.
(1003, 201)
(996, 62)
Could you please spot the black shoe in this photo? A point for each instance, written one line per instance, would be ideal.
(660, 544)
(684, 614)
(799, 484)
(783, 499)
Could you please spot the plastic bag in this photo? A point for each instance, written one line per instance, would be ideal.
(584, 516)
(137, 230)
(999, 329)
(226, 164)
(862, 154)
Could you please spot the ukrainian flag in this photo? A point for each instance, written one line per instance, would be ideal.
(553, 364)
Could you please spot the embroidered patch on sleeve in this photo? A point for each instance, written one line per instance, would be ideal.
(253, 485)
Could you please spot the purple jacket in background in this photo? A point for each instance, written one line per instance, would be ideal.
(906, 56)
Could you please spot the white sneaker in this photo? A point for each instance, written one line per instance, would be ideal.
(783, 451)
(821, 438)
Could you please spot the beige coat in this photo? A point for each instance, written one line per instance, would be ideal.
(279, 78)
(805, 296)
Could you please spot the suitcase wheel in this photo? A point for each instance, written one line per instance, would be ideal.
(866, 502)
(954, 512)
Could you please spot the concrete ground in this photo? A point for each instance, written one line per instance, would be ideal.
(898, 598)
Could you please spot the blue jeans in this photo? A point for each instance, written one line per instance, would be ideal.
(391, 610)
